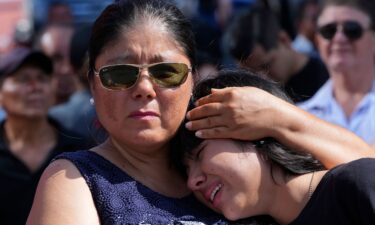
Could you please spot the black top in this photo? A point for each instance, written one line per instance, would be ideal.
(18, 184)
(344, 196)
(308, 80)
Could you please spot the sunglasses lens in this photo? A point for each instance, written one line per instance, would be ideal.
(118, 76)
(352, 30)
(328, 31)
(169, 74)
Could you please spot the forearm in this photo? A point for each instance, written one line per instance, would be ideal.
(330, 144)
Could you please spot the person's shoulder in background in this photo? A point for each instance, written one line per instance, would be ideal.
(69, 140)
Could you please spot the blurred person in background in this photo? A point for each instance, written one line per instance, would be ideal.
(59, 12)
(78, 114)
(207, 65)
(54, 40)
(256, 40)
(346, 41)
(307, 13)
(29, 139)
(206, 30)
(216, 12)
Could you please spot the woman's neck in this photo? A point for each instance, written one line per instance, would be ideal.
(292, 196)
(153, 169)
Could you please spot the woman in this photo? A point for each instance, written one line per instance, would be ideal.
(141, 58)
(29, 139)
(129, 178)
(242, 179)
(346, 42)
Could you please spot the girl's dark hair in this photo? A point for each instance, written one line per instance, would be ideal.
(124, 14)
(366, 6)
(292, 162)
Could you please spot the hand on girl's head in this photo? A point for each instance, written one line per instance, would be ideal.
(234, 112)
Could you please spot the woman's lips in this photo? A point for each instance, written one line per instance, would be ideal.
(143, 115)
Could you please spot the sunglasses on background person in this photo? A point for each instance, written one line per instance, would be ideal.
(351, 29)
(124, 76)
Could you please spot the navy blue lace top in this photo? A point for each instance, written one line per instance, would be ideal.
(119, 199)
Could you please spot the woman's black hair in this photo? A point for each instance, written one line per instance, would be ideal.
(366, 6)
(292, 162)
(124, 14)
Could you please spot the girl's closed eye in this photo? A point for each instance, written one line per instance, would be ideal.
(198, 152)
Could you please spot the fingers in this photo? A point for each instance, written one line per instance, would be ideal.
(212, 109)
(217, 132)
(205, 123)
(217, 95)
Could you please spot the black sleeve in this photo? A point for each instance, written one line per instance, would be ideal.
(357, 182)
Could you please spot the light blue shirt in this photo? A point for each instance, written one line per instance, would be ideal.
(362, 120)
(303, 45)
(2, 114)
(77, 114)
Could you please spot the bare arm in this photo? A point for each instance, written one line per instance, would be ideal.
(249, 113)
(63, 197)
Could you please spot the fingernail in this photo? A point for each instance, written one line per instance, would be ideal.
(198, 134)
(188, 125)
(188, 115)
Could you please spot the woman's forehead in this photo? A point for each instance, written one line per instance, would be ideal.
(136, 46)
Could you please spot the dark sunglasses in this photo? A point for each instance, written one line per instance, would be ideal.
(124, 76)
(351, 29)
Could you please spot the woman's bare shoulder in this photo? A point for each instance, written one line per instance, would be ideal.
(63, 197)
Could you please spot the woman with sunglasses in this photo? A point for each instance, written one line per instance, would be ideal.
(346, 41)
(242, 179)
(141, 74)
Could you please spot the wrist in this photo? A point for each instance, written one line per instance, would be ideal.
(287, 119)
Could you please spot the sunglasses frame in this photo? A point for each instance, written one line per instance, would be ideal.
(344, 29)
(140, 68)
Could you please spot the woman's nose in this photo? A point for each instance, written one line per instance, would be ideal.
(196, 179)
(144, 88)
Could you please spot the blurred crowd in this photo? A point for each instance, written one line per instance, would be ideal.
(275, 36)
(45, 96)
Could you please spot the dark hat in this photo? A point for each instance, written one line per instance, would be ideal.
(12, 61)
